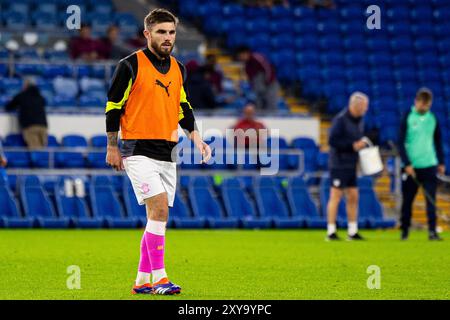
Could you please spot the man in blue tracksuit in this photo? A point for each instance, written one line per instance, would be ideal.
(345, 140)
(422, 154)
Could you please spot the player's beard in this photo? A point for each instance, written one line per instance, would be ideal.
(163, 52)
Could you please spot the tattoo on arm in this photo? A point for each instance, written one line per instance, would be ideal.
(112, 138)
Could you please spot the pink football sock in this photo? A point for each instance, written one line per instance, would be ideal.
(144, 261)
(155, 248)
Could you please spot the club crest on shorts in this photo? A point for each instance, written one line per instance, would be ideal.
(145, 188)
(336, 182)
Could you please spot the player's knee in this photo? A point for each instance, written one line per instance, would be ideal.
(160, 213)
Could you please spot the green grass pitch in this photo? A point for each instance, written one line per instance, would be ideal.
(225, 264)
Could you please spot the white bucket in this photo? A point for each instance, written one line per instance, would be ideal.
(370, 159)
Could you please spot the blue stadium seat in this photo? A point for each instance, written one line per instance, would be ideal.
(40, 159)
(180, 216)
(206, 204)
(15, 20)
(310, 150)
(56, 71)
(302, 205)
(371, 211)
(74, 140)
(322, 160)
(10, 216)
(19, 7)
(232, 10)
(18, 159)
(256, 25)
(271, 204)
(63, 101)
(75, 208)
(89, 100)
(104, 7)
(279, 13)
(68, 159)
(52, 141)
(99, 141)
(106, 204)
(306, 26)
(239, 205)
(131, 205)
(37, 204)
(100, 22)
(127, 23)
(71, 159)
(47, 7)
(14, 140)
(45, 21)
(209, 8)
(402, 44)
(303, 13)
(56, 55)
(97, 159)
(11, 85)
(66, 87)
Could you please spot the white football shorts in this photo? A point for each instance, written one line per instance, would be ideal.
(150, 177)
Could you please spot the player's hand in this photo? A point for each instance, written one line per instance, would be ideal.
(3, 162)
(441, 169)
(358, 145)
(114, 158)
(410, 171)
(203, 147)
(205, 151)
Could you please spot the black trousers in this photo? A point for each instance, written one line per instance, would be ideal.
(427, 178)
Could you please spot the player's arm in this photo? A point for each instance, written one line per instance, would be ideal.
(117, 96)
(438, 145)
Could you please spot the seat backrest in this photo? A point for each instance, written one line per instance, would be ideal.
(14, 140)
(204, 202)
(35, 199)
(69, 206)
(99, 141)
(8, 204)
(74, 140)
(369, 205)
(300, 200)
(270, 203)
(268, 197)
(52, 141)
(132, 206)
(105, 202)
(180, 209)
(236, 200)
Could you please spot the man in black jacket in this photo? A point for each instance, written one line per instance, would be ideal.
(345, 141)
(30, 106)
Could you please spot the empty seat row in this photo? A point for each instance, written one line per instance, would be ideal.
(264, 204)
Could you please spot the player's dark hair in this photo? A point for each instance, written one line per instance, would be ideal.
(424, 94)
(159, 15)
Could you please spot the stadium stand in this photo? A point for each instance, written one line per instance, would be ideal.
(330, 57)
